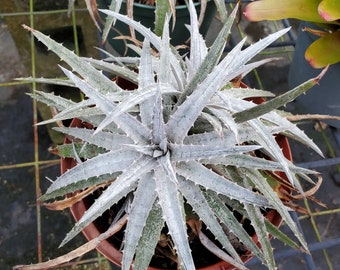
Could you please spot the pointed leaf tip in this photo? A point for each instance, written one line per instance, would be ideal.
(322, 73)
(26, 27)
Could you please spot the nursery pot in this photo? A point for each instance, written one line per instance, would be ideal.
(145, 14)
(110, 247)
(323, 98)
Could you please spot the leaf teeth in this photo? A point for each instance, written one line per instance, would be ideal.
(141, 206)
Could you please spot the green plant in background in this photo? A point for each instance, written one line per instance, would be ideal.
(324, 13)
(185, 147)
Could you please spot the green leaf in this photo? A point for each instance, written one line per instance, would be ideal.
(227, 217)
(268, 106)
(258, 224)
(260, 182)
(80, 185)
(329, 10)
(162, 8)
(324, 51)
(83, 151)
(222, 11)
(278, 234)
(150, 236)
(305, 10)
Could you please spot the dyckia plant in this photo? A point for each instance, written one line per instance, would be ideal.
(186, 139)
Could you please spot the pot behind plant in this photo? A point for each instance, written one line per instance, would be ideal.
(145, 14)
(323, 98)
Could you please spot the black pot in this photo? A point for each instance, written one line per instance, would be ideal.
(323, 98)
(145, 14)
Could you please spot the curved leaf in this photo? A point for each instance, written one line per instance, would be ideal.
(305, 10)
(324, 51)
(329, 10)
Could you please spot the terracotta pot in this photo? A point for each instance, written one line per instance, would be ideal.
(107, 249)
